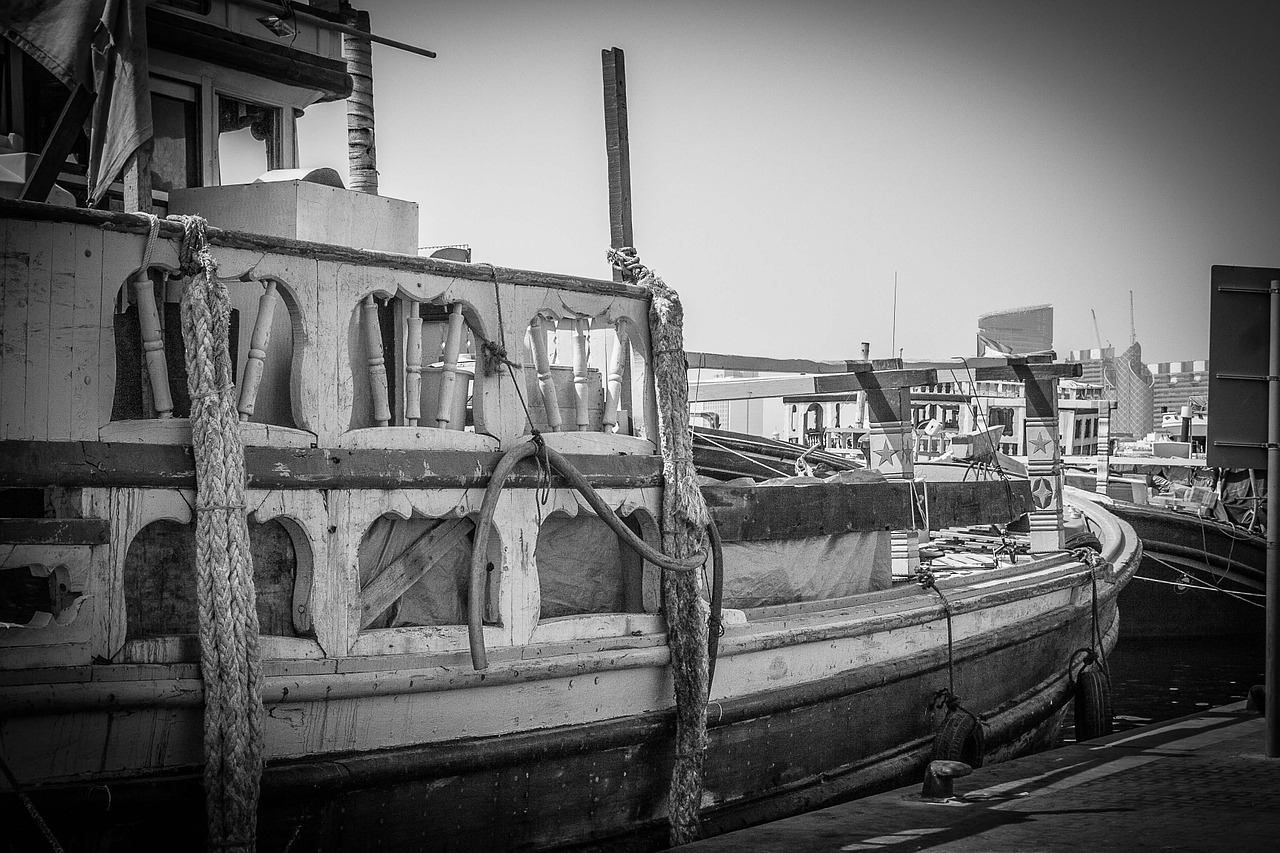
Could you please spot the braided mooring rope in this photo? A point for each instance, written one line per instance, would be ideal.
(230, 660)
(684, 518)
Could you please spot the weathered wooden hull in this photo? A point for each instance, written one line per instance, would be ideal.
(808, 708)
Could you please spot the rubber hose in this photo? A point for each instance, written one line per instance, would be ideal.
(717, 596)
(480, 545)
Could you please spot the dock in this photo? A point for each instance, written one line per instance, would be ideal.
(1198, 783)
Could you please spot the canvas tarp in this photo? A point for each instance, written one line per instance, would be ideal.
(760, 574)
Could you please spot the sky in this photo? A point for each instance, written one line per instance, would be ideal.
(789, 160)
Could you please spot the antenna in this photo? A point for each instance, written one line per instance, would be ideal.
(893, 336)
(1133, 334)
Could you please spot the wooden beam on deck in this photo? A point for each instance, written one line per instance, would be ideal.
(718, 361)
(56, 149)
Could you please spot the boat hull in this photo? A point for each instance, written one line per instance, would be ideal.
(1198, 578)
(781, 741)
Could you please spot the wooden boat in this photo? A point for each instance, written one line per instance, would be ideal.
(1202, 573)
(442, 658)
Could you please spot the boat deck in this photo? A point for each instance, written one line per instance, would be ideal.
(1200, 783)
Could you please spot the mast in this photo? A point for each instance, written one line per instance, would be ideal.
(362, 156)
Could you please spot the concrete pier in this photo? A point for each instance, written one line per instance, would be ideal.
(1199, 783)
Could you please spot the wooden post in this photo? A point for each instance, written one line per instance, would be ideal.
(449, 371)
(362, 156)
(1044, 465)
(618, 148)
(137, 180)
(580, 390)
(889, 425)
(144, 294)
(377, 364)
(413, 363)
(258, 344)
(617, 369)
(542, 364)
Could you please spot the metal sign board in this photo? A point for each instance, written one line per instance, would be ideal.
(1239, 340)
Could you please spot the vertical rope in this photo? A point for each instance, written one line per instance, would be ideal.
(684, 518)
(230, 660)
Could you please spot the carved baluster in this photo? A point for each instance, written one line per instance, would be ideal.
(617, 368)
(449, 370)
(153, 342)
(377, 363)
(541, 363)
(581, 393)
(413, 363)
(258, 343)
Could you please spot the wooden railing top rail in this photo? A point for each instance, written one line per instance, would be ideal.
(169, 229)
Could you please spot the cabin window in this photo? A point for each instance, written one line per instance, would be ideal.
(160, 580)
(250, 140)
(175, 152)
(582, 568)
(578, 373)
(417, 571)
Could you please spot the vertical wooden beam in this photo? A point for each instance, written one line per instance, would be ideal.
(259, 342)
(1044, 466)
(889, 436)
(449, 370)
(153, 342)
(542, 364)
(617, 369)
(580, 392)
(412, 363)
(377, 364)
(137, 180)
(618, 148)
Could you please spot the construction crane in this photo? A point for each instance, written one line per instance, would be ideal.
(1097, 333)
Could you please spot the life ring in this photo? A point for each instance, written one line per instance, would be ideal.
(1092, 705)
(959, 739)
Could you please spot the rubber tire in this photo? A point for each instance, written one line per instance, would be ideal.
(959, 739)
(1093, 705)
(1083, 539)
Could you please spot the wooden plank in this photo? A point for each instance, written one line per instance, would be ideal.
(123, 464)
(54, 531)
(39, 288)
(86, 362)
(876, 380)
(719, 361)
(58, 146)
(381, 590)
(62, 291)
(19, 237)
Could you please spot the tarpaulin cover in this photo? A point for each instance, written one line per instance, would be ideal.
(439, 597)
(760, 574)
(579, 567)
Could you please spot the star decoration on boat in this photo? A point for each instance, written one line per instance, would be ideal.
(1042, 492)
(886, 452)
(1040, 441)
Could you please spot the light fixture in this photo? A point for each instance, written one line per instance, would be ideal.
(282, 27)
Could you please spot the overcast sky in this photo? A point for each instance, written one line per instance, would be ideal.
(789, 158)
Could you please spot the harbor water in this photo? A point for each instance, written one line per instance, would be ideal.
(1162, 679)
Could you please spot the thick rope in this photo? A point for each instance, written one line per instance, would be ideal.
(230, 660)
(684, 518)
